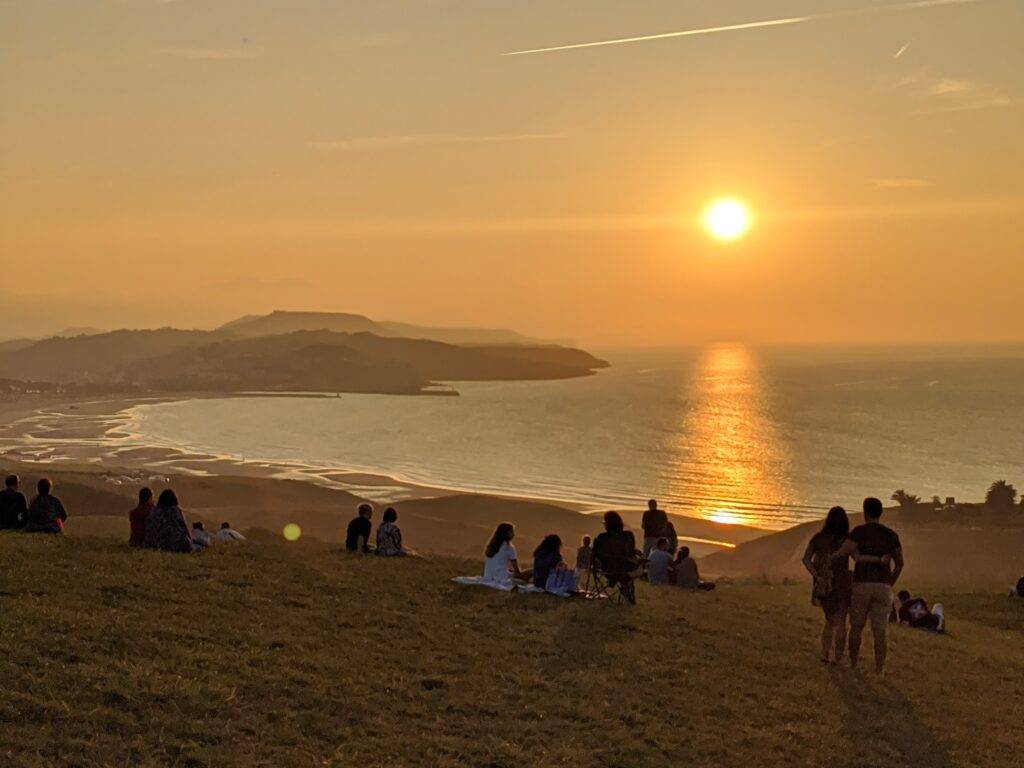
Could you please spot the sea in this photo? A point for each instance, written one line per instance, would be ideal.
(737, 433)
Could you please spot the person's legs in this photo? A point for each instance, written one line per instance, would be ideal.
(827, 633)
(839, 620)
(881, 604)
(939, 613)
(859, 604)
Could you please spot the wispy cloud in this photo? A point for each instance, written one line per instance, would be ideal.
(939, 94)
(373, 143)
(899, 183)
(211, 54)
(907, 6)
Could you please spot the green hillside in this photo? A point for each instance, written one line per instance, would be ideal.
(297, 655)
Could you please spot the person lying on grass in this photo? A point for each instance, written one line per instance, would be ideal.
(914, 612)
(1018, 589)
(501, 565)
(227, 535)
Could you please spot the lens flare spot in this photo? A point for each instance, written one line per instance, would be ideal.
(292, 532)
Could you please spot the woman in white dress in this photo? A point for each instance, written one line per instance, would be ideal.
(501, 568)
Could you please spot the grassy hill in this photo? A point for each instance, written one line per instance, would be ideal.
(297, 655)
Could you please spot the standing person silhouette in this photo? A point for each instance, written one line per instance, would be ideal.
(655, 525)
(875, 550)
(833, 582)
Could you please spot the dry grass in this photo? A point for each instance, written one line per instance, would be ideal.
(273, 655)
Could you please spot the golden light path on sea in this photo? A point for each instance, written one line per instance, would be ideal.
(727, 435)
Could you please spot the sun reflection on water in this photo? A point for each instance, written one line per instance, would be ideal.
(729, 436)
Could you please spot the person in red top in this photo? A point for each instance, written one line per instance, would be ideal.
(137, 517)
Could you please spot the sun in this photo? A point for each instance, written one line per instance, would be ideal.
(727, 218)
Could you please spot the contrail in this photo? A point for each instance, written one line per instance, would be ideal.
(747, 25)
(902, 50)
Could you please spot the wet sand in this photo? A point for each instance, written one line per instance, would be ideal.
(86, 445)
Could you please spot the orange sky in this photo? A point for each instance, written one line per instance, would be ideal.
(182, 162)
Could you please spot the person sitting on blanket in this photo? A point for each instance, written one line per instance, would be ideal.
(687, 575)
(914, 612)
(502, 566)
(549, 569)
(615, 550)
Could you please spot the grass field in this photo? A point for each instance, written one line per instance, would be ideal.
(274, 655)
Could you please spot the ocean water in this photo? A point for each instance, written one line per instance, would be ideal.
(735, 433)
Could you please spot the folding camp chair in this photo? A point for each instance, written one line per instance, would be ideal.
(601, 582)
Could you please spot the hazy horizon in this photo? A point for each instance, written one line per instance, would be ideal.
(173, 163)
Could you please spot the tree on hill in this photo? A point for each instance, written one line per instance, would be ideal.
(1001, 495)
(905, 499)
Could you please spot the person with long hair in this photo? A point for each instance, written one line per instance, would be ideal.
(166, 528)
(546, 558)
(501, 566)
(833, 582)
(616, 555)
(389, 535)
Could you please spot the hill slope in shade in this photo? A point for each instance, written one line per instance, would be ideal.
(970, 544)
(281, 321)
(296, 655)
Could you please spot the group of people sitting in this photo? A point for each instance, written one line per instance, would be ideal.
(45, 514)
(613, 554)
(162, 526)
(153, 526)
(389, 535)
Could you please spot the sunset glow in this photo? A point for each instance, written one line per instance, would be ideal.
(727, 219)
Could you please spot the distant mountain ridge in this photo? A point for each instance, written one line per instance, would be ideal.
(284, 321)
(234, 358)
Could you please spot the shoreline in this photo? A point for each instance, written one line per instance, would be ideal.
(88, 436)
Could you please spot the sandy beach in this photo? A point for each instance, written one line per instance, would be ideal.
(86, 446)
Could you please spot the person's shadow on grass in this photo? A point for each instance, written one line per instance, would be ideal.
(882, 727)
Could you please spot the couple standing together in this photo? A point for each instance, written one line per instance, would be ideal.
(862, 596)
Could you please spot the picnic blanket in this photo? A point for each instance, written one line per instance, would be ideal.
(505, 586)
